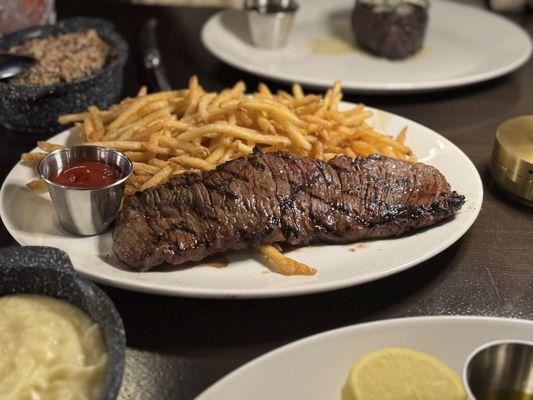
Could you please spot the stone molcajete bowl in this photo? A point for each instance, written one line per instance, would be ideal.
(35, 109)
(48, 271)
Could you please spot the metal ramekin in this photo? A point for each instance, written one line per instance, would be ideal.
(270, 21)
(85, 211)
(504, 366)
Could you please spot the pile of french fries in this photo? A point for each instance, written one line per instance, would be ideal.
(191, 130)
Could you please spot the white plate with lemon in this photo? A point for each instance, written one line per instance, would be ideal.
(361, 361)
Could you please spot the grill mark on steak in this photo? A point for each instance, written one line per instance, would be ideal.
(278, 197)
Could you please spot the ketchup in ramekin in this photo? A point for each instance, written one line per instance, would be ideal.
(86, 184)
(86, 174)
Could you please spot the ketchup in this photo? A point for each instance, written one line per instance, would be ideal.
(86, 174)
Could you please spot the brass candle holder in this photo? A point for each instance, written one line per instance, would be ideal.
(512, 158)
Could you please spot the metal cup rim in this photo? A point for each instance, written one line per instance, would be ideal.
(292, 8)
(65, 149)
(277, 14)
(478, 350)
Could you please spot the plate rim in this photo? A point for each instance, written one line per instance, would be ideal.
(287, 291)
(356, 327)
(380, 88)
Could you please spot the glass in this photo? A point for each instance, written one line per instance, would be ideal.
(20, 14)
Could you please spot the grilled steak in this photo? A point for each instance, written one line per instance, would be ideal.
(391, 29)
(275, 197)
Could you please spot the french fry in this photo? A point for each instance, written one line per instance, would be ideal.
(232, 130)
(48, 147)
(142, 168)
(203, 105)
(264, 91)
(243, 148)
(219, 149)
(195, 150)
(135, 155)
(283, 264)
(97, 124)
(37, 184)
(236, 91)
(275, 109)
(142, 91)
(194, 95)
(136, 106)
(121, 145)
(266, 126)
(197, 130)
(70, 118)
(32, 157)
(88, 127)
(297, 91)
(400, 138)
(297, 137)
(158, 163)
(139, 180)
(158, 178)
(194, 162)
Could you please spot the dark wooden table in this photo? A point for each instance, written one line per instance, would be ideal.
(178, 347)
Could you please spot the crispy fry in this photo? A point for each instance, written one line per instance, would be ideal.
(88, 127)
(297, 137)
(193, 149)
(197, 130)
(239, 132)
(158, 163)
(243, 148)
(142, 91)
(136, 106)
(192, 162)
(136, 155)
(401, 136)
(97, 124)
(32, 157)
(283, 264)
(69, 118)
(139, 180)
(264, 91)
(297, 91)
(121, 145)
(48, 147)
(219, 149)
(37, 184)
(275, 109)
(143, 168)
(158, 178)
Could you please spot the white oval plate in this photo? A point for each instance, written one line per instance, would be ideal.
(317, 367)
(464, 45)
(31, 220)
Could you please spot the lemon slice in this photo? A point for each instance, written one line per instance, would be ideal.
(402, 374)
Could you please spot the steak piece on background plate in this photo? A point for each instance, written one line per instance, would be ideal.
(277, 197)
(393, 29)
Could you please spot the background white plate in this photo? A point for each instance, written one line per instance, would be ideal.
(31, 220)
(317, 367)
(463, 45)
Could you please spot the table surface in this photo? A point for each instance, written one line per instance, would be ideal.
(177, 347)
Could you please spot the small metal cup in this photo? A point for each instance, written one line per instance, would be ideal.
(498, 370)
(85, 211)
(270, 21)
